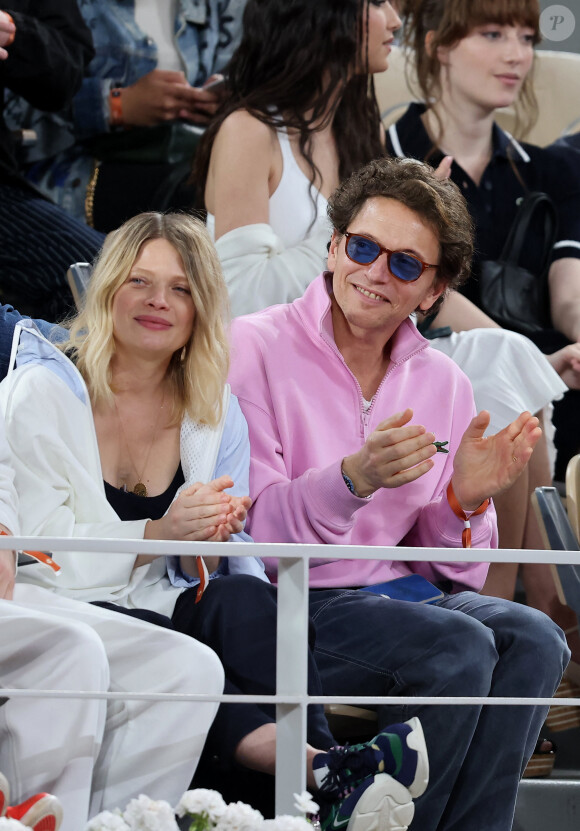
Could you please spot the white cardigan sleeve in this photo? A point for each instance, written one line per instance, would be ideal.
(8, 497)
(260, 271)
(60, 486)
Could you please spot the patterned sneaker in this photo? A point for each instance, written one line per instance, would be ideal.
(399, 750)
(42, 812)
(379, 802)
(4, 794)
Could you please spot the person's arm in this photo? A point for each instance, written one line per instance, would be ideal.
(460, 314)
(51, 49)
(564, 282)
(233, 461)
(7, 573)
(51, 460)
(259, 269)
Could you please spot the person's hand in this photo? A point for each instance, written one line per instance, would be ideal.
(393, 455)
(7, 33)
(7, 570)
(484, 467)
(566, 362)
(444, 170)
(198, 513)
(204, 102)
(238, 511)
(160, 95)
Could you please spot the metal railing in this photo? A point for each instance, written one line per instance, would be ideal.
(291, 698)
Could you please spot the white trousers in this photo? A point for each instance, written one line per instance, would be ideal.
(96, 755)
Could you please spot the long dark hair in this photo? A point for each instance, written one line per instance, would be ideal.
(299, 56)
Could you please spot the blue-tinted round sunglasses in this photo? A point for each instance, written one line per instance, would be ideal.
(402, 265)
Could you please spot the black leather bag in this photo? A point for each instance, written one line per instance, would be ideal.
(513, 296)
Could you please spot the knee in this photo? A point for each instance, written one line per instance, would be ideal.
(537, 649)
(465, 655)
(189, 665)
(83, 662)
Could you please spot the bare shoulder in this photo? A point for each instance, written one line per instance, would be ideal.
(242, 166)
(241, 129)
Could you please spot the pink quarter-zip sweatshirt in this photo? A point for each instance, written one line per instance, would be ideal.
(305, 413)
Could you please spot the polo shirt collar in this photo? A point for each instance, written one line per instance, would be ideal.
(409, 133)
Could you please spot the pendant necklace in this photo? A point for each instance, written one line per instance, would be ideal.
(140, 488)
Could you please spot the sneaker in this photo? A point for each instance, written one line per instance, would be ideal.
(379, 802)
(42, 812)
(400, 751)
(4, 794)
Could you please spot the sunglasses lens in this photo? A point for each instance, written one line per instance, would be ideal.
(405, 266)
(362, 250)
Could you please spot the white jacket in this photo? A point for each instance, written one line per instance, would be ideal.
(51, 433)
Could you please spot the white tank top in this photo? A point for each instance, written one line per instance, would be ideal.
(291, 206)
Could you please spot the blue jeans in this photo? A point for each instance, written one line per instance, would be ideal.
(465, 645)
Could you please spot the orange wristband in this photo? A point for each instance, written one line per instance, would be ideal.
(460, 514)
(203, 578)
(116, 107)
(41, 556)
(12, 34)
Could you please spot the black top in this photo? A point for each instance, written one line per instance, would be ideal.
(45, 64)
(129, 506)
(494, 201)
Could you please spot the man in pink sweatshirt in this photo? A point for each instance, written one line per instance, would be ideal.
(345, 401)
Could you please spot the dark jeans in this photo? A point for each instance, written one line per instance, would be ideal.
(465, 645)
(367, 645)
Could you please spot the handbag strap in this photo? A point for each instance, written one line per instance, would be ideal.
(514, 243)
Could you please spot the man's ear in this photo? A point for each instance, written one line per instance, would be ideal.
(433, 294)
(333, 250)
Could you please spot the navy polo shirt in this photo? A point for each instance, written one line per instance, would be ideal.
(513, 168)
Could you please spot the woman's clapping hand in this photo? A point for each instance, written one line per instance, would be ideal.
(202, 512)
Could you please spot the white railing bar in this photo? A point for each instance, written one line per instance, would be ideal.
(292, 550)
(293, 700)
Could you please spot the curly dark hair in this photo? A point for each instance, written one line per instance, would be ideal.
(299, 61)
(439, 203)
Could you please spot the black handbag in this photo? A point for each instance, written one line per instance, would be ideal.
(513, 296)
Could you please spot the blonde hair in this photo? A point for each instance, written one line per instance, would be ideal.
(198, 372)
(449, 21)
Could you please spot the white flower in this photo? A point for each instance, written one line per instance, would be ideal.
(304, 803)
(201, 801)
(239, 817)
(144, 814)
(286, 823)
(107, 821)
(7, 824)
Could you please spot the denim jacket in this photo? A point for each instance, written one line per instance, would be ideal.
(206, 34)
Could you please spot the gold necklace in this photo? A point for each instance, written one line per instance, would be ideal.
(140, 488)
